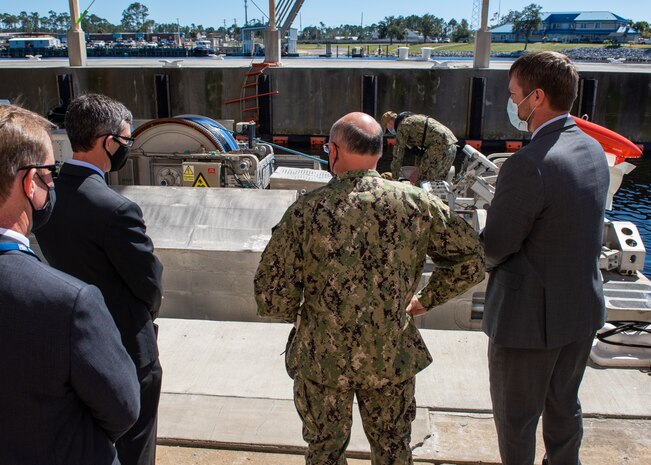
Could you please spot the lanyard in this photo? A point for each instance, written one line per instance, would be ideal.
(7, 246)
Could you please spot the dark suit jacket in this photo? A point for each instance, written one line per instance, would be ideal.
(69, 388)
(543, 239)
(98, 236)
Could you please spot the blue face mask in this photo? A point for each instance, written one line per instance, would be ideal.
(391, 131)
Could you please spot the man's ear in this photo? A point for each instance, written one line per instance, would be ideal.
(540, 95)
(103, 143)
(28, 183)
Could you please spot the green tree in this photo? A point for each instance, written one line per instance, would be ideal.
(95, 24)
(134, 17)
(35, 21)
(392, 27)
(310, 33)
(462, 32)
(8, 21)
(411, 22)
(63, 21)
(430, 26)
(46, 24)
(528, 22)
(25, 23)
(52, 20)
(450, 27)
(643, 28)
(509, 18)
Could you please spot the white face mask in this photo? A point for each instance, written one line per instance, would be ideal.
(512, 110)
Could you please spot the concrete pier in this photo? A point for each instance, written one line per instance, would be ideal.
(225, 387)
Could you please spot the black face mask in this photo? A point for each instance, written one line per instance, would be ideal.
(42, 216)
(119, 158)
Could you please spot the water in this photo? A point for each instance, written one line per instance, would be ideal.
(632, 202)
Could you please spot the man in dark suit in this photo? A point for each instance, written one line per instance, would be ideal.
(99, 236)
(544, 300)
(69, 388)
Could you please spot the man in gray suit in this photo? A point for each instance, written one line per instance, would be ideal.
(99, 236)
(544, 299)
(69, 389)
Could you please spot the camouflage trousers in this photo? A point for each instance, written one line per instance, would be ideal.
(435, 163)
(327, 415)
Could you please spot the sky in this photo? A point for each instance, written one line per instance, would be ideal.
(330, 12)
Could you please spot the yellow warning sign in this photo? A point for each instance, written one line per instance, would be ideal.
(200, 181)
(188, 174)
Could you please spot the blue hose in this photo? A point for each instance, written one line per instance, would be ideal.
(323, 162)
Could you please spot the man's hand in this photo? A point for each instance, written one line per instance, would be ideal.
(415, 308)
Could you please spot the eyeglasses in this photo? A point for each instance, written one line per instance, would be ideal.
(129, 140)
(326, 147)
(54, 168)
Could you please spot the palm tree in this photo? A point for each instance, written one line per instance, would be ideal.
(10, 22)
(52, 20)
(23, 19)
(35, 19)
(63, 21)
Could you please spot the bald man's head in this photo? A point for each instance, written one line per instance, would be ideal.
(359, 133)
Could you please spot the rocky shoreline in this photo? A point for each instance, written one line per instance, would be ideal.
(621, 54)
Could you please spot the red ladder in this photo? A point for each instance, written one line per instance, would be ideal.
(251, 113)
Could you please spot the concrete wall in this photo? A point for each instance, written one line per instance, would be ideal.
(311, 99)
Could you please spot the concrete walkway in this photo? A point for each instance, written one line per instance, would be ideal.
(225, 387)
(333, 63)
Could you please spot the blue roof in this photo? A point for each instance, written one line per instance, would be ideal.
(598, 16)
(561, 17)
(503, 29)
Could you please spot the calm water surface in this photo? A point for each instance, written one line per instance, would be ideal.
(632, 202)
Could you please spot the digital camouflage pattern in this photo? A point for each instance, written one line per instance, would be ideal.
(327, 416)
(439, 149)
(348, 257)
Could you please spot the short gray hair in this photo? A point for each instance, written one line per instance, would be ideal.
(91, 116)
(356, 139)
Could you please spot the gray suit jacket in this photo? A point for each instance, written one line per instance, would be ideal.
(69, 388)
(543, 239)
(99, 236)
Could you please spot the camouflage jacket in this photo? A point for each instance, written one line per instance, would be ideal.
(410, 134)
(348, 257)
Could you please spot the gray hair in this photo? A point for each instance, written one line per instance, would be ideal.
(356, 139)
(23, 141)
(91, 116)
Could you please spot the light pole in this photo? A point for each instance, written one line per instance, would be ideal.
(483, 40)
(272, 37)
(76, 37)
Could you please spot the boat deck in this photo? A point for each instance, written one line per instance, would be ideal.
(225, 387)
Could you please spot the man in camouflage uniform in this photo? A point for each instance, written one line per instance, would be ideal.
(435, 141)
(347, 258)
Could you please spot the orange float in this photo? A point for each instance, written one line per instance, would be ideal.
(612, 142)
